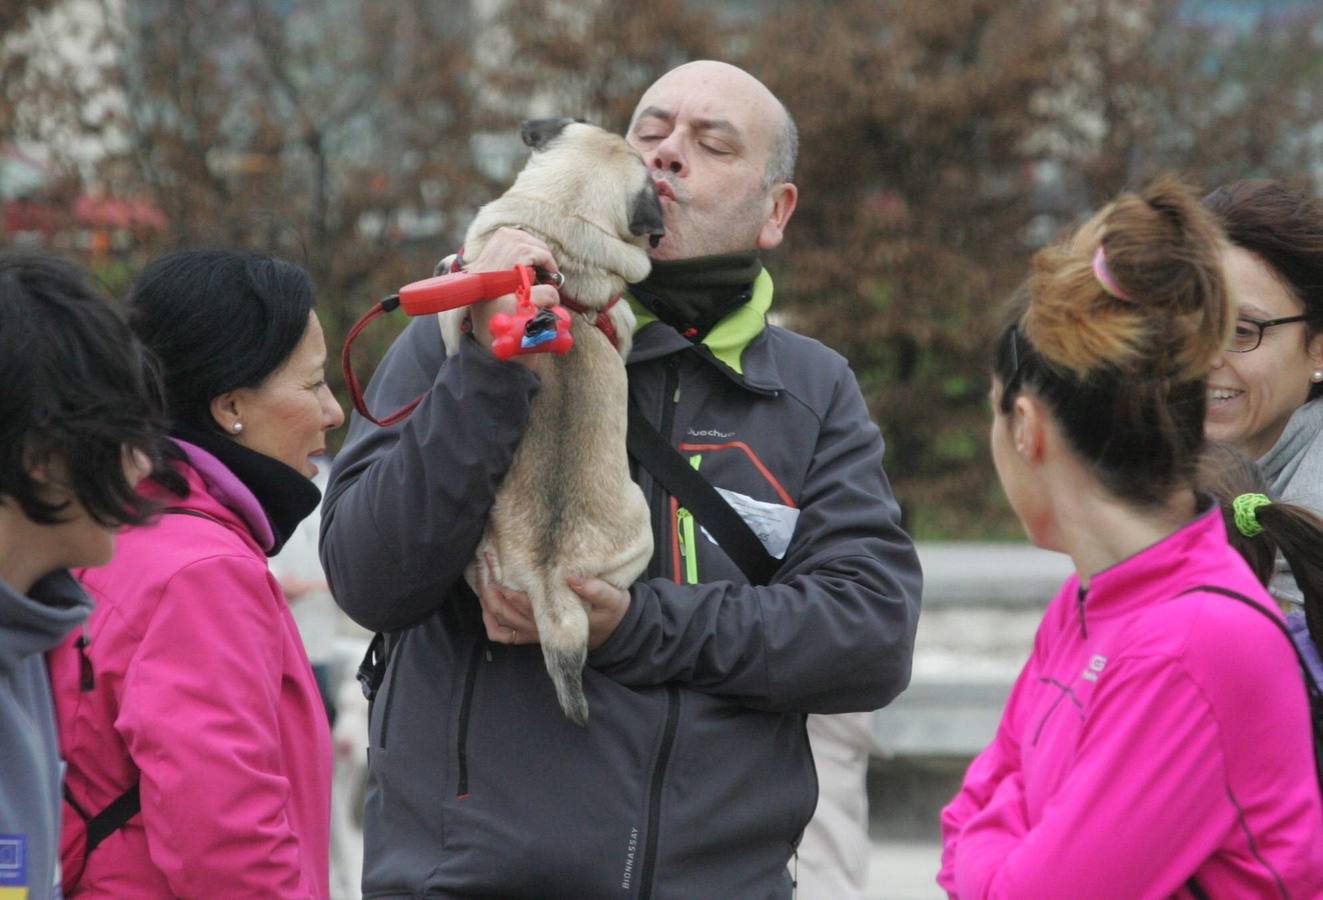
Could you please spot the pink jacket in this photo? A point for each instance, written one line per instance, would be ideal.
(203, 693)
(1149, 738)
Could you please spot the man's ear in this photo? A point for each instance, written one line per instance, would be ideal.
(783, 198)
(227, 410)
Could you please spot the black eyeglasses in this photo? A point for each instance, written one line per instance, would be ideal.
(1248, 333)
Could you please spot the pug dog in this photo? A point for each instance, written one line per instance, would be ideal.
(567, 506)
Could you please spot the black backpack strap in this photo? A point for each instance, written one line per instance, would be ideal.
(113, 817)
(372, 669)
(654, 453)
(105, 823)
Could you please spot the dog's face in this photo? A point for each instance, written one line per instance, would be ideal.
(599, 177)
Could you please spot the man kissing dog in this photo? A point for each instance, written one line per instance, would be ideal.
(694, 777)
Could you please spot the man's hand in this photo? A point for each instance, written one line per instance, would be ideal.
(505, 249)
(508, 615)
(606, 607)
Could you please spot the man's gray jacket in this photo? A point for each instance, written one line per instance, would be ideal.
(694, 776)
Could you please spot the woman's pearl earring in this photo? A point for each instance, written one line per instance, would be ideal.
(238, 426)
(1317, 376)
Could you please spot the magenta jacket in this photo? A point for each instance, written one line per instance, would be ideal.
(1150, 737)
(203, 693)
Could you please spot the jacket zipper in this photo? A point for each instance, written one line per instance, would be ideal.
(465, 710)
(686, 534)
(670, 400)
(391, 664)
(654, 793)
(684, 520)
(660, 507)
(1084, 626)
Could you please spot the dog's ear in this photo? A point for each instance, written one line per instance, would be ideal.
(538, 133)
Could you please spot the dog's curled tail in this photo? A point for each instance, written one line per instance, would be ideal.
(562, 623)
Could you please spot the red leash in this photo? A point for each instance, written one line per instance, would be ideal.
(529, 330)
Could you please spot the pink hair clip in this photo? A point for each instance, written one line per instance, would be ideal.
(1104, 275)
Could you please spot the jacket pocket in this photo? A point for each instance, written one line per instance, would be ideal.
(518, 770)
(465, 713)
(384, 696)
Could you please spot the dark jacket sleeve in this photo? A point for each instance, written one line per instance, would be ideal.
(834, 632)
(407, 505)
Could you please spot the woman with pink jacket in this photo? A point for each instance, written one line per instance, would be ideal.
(189, 684)
(1148, 748)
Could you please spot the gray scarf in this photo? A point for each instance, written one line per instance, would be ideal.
(1294, 470)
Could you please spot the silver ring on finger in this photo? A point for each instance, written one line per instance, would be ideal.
(514, 635)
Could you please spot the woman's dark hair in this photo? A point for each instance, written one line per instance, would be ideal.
(1292, 530)
(78, 391)
(1282, 225)
(218, 320)
(1123, 369)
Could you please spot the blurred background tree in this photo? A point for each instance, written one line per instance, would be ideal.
(941, 144)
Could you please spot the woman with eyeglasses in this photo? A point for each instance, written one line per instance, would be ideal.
(1264, 392)
(1147, 748)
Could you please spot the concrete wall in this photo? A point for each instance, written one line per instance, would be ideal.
(981, 606)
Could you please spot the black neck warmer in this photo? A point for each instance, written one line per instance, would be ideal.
(286, 495)
(693, 295)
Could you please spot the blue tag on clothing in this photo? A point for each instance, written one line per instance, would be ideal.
(13, 860)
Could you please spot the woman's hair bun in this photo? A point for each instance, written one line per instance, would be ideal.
(1154, 302)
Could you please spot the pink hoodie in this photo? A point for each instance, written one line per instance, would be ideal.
(1150, 737)
(203, 693)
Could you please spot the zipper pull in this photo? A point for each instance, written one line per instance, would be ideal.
(1084, 623)
(86, 677)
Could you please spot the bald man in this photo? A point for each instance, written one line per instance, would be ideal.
(694, 776)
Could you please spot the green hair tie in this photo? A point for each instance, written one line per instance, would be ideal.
(1246, 508)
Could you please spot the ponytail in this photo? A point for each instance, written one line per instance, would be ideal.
(1261, 528)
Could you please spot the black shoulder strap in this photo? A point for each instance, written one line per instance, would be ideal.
(372, 670)
(115, 816)
(105, 823)
(654, 453)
